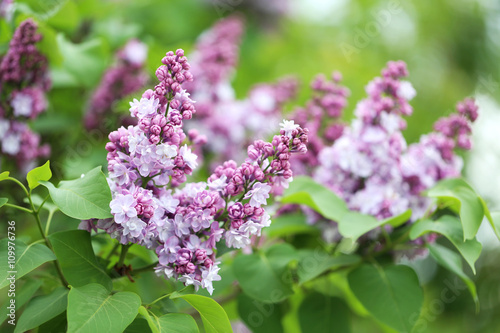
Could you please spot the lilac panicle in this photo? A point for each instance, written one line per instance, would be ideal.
(23, 84)
(370, 164)
(149, 162)
(321, 116)
(120, 80)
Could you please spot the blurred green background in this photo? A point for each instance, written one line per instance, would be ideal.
(452, 49)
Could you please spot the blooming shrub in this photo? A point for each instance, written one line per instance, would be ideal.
(183, 225)
(221, 201)
(23, 84)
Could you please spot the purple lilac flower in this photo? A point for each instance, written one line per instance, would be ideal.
(220, 115)
(120, 80)
(23, 85)
(321, 116)
(149, 162)
(370, 164)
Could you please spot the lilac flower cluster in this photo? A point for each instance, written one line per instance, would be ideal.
(148, 162)
(123, 78)
(23, 84)
(370, 165)
(322, 117)
(213, 63)
(220, 116)
(6, 9)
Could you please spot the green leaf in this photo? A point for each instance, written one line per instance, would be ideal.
(41, 173)
(83, 63)
(23, 295)
(92, 309)
(48, 45)
(76, 256)
(139, 325)
(305, 191)
(3, 201)
(151, 322)
(66, 18)
(292, 224)
(83, 198)
(493, 218)
(260, 317)
(450, 227)
(320, 313)
(354, 224)
(452, 261)
(4, 175)
(177, 323)
(42, 308)
(463, 199)
(271, 267)
(495, 222)
(214, 317)
(391, 294)
(28, 257)
(315, 262)
(59, 324)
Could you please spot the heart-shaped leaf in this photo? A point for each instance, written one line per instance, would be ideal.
(214, 317)
(42, 308)
(452, 261)
(460, 197)
(27, 258)
(391, 294)
(92, 309)
(260, 317)
(271, 267)
(76, 256)
(83, 198)
(450, 227)
(323, 314)
(37, 174)
(305, 191)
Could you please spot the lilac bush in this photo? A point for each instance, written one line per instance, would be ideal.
(221, 116)
(150, 161)
(122, 79)
(369, 163)
(23, 84)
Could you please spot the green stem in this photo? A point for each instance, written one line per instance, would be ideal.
(21, 185)
(43, 203)
(56, 262)
(110, 254)
(123, 254)
(19, 207)
(49, 219)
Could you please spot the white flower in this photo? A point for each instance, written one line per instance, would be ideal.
(288, 126)
(165, 152)
(168, 202)
(11, 143)
(143, 108)
(134, 227)
(209, 275)
(258, 194)
(22, 105)
(165, 270)
(135, 52)
(123, 207)
(188, 280)
(236, 239)
(188, 157)
(4, 127)
(218, 184)
(406, 90)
